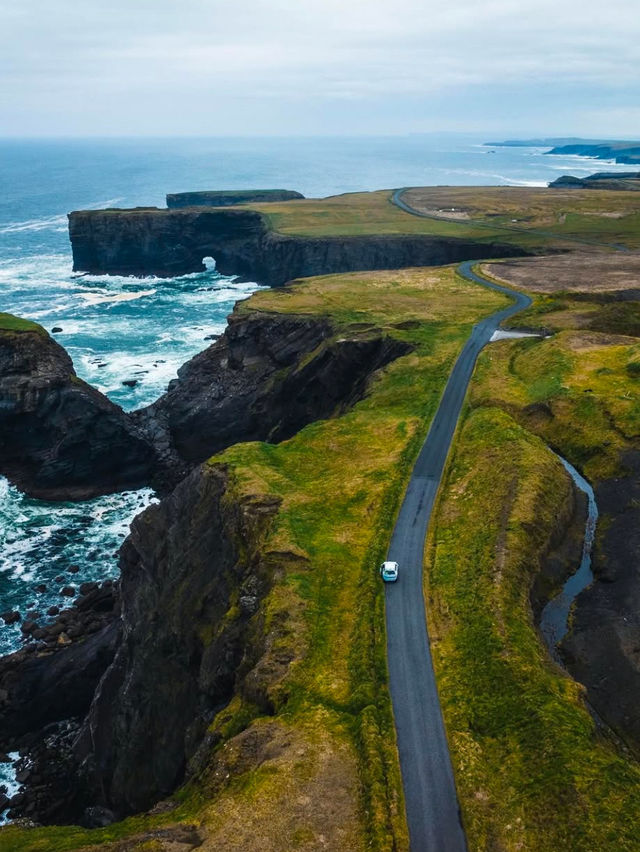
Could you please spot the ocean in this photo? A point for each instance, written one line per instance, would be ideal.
(118, 329)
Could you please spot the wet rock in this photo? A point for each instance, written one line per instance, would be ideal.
(85, 588)
(56, 329)
(53, 610)
(4, 758)
(73, 569)
(23, 775)
(28, 627)
(10, 616)
(68, 591)
(130, 383)
(59, 579)
(4, 802)
(41, 588)
(59, 437)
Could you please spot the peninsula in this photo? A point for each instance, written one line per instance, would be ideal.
(239, 684)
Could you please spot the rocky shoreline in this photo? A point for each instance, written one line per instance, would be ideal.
(110, 700)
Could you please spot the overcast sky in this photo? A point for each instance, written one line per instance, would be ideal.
(238, 67)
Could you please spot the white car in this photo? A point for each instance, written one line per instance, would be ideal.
(389, 572)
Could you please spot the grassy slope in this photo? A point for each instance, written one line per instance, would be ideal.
(533, 773)
(340, 481)
(10, 323)
(575, 213)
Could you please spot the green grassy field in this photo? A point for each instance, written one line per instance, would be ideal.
(10, 323)
(508, 214)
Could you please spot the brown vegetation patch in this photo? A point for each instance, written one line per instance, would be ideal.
(300, 792)
(578, 272)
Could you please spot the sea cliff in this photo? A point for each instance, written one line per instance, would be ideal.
(152, 241)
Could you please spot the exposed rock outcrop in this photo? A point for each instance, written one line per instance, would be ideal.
(186, 565)
(229, 197)
(267, 377)
(151, 241)
(130, 698)
(59, 437)
(54, 677)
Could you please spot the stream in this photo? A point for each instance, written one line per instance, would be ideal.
(554, 621)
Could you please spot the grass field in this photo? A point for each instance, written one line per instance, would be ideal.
(325, 765)
(532, 771)
(508, 214)
(10, 323)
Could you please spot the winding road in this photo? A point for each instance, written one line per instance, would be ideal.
(431, 802)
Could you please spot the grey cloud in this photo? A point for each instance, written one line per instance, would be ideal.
(97, 66)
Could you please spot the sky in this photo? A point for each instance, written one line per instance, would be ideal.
(308, 67)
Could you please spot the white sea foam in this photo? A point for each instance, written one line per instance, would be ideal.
(8, 780)
(56, 222)
(102, 299)
(48, 223)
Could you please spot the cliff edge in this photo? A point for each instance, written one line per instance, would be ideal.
(60, 439)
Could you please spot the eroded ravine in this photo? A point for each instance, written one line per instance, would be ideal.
(554, 619)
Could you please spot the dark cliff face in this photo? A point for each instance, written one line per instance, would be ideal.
(192, 580)
(226, 198)
(174, 242)
(59, 437)
(149, 241)
(266, 378)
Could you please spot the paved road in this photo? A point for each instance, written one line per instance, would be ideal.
(430, 794)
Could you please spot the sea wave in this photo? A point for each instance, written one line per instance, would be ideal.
(56, 222)
(103, 299)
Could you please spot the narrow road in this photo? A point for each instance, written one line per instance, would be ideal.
(430, 795)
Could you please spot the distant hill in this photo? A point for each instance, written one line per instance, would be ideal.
(229, 197)
(599, 149)
(600, 180)
(546, 142)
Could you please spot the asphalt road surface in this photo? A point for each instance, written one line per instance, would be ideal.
(432, 808)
